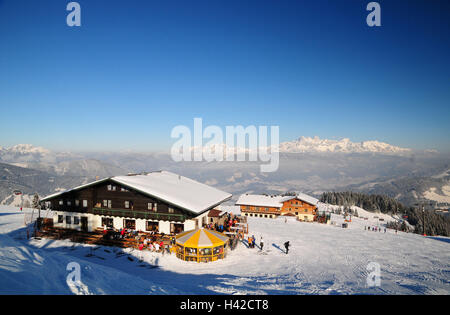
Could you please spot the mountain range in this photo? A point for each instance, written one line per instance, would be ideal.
(308, 144)
(311, 165)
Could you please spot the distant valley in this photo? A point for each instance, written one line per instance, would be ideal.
(310, 165)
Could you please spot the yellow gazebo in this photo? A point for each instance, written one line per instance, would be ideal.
(201, 245)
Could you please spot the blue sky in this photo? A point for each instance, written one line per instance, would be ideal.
(136, 69)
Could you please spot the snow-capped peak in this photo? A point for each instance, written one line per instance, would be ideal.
(25, 149)
(308, 144)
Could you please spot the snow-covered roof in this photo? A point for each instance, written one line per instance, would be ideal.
(272, 201)
(174, 189)
(263, 200)
(308, 199)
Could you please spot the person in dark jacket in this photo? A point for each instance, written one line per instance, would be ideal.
(286, 245)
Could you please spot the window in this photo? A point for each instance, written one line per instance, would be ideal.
(76, 220)
(108, 222)
(155, 207)
(171, 210)
(69, 203)
(205, 251)
(267, 209)
(176, 228)
(85, 203)
(127, 204)
(61, 202)
(60, 219)
(107, 204)
(68, 220)
(123, 189)
(152, 226)
(114, 188)
(150, 206)
(109, 187)
(77, 203)
(129, 224)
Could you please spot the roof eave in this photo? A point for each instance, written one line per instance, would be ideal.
(49, 197)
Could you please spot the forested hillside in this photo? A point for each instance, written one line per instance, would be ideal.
(435, 224)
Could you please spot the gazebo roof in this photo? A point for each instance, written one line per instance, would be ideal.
(201, 238)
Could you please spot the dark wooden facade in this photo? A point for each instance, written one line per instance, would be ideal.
(92, 199)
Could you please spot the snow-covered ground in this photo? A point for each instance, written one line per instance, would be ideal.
(17, 200)
(431, 194)
(323, 259)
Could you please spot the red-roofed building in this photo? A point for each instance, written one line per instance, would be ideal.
(216, 216)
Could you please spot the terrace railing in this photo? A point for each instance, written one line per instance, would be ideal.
(136, 214)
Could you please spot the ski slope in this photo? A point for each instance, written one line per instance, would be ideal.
(323, 259)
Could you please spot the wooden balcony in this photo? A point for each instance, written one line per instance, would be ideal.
(136, 214)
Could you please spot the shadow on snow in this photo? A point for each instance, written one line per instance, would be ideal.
(114, 257)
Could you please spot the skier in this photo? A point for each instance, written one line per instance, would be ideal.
(286, 245)
(261, 243)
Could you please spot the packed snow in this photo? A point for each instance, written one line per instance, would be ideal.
(322, 259)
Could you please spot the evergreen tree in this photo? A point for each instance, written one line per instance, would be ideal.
(36, 201)
(435, 224)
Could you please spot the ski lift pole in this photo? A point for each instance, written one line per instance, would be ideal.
(423, 223)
